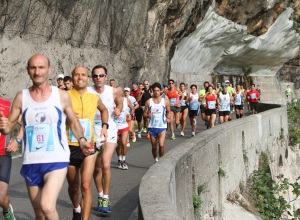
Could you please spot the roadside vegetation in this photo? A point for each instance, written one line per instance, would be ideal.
(294, 123)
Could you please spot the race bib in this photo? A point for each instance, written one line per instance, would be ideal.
(238, 100)
(225, 106)
(39, 138)
(172, 101)
(86, 126)
(194, 105)
(120, 119)
(211, 104)
(156, 121)
(253, 96)
(97, 119)
(183, 103)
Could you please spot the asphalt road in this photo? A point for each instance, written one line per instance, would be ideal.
(124, 187)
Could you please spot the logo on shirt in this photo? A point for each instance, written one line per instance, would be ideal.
(40, 117)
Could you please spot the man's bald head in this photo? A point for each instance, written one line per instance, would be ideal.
(38, 56)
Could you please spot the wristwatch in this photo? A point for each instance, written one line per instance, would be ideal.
(82, 138)
(18, 140)
(104, 123)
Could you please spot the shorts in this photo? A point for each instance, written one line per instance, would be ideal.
(76, 156)
(5, 168)
(175, 109)
(139, 114)
(202, 108)
(112, 136)
(254, 106)
(183, 108)
(34, 173)
(193, 113)
(239, 107)
(223, 113)
(210, 111)
(120, 131)
(154, 132)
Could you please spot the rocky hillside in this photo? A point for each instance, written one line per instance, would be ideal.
(134, 39)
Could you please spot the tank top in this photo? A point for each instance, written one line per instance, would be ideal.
(194, 103)
(238, 99)
(158, 119)
(183, 101)
(224, 102)
(173, 97)
(121, 119)
(45, 139)
(210, 101)
(107, 97)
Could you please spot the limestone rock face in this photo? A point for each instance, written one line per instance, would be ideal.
(135, 39)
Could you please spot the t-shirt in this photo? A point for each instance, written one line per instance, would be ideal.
(254, 95)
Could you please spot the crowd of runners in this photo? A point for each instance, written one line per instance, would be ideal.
(72, 130)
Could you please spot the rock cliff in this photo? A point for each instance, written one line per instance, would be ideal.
(134, 39)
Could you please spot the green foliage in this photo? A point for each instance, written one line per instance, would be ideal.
(281, 133)
(294, 123)
(245, 157)
(221, 172)
(197, 201)
(267, 194)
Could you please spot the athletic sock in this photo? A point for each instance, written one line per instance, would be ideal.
(120, 158)
(123, 158)
(100, 194)
(105, 196)
(78, 209)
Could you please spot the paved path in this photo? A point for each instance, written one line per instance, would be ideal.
(124, 187)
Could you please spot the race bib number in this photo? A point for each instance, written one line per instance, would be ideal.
(253, 96)
(225, 106)
(120, 119)
(172, 101)
(194, 105)
(97, 119)
(156, 121)
(86, 126)
(238, 100)
(39, 138)
(211, 104)
(183, 103)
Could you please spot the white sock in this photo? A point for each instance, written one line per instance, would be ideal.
(156, 159)
(123, 158)
(120, 158)
(100, 194)
(105, 196)
(78, 209)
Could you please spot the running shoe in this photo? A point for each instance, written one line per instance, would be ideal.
(124, 165)
(76, 215)
(139, 135)
(133, 138)
(148, 135)
(9, 215)
(119, 164)
(144, 130)
(173, 136)
(194, 121)
(128, 144)
(106, 205)
(193, 134)
(100, 204)
(182, 134)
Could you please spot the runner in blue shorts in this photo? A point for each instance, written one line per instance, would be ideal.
(157, 111)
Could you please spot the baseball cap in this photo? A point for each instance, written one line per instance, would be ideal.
(224, 84)
(127, 89)
(227, 81)
(60, 76)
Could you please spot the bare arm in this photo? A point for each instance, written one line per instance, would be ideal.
(7, 124)
(118, 98)
(168, 110)
(130, 106)
(146, 113)
(104, 117)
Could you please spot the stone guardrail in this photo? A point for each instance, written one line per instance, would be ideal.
(166, 191)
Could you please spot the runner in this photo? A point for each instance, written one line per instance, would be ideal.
(184, 108)
(136, 93)
(224, 101)
(202, 93)
(253, 97)
(194, 107)
(146, 94)
(238, 102)
(68, 83)
(46, 154)
(288, 92)
(112, 83)
(132, 116)
(60, 81)
(211, 112)
(157, 111)
(112, 99)
(81, 167)
(173, 95)
(123, 130)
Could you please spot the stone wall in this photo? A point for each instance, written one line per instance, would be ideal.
(232, 148)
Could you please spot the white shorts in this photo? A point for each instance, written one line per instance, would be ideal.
(112, 136)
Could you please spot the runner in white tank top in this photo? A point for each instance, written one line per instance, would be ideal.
(157, 111)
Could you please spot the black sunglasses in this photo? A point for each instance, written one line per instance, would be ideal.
(98, 75)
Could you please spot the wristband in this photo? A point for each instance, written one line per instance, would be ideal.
(104, 123)
(18, 140)
(81, 138)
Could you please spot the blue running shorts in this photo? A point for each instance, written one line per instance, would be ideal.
(154, 132)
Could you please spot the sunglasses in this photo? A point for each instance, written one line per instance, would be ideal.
(98, 75)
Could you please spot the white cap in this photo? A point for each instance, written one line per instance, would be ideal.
(60, 76)
(227, 81)
(127, 89)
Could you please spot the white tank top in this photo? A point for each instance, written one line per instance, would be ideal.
(45, 139)
(121, 120)
(107, 97)
(238, 98)
(158, 120)
(194, 103)
(224, 102)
